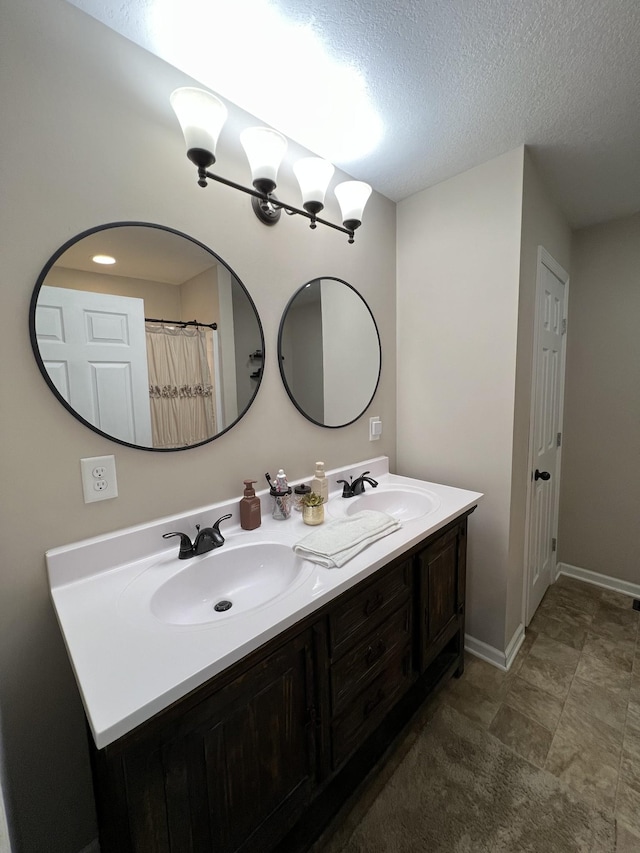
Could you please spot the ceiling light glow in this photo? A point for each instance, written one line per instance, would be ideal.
(278, 70)
(106, 260)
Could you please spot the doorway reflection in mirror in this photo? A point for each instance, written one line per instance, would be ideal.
(167, 384)
(329, 352)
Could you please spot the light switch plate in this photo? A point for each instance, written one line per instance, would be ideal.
(375, 428)
(99, 478)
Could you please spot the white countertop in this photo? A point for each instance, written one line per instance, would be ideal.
(129, 665)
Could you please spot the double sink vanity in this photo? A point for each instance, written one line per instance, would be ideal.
(245, 729)
(237, 698)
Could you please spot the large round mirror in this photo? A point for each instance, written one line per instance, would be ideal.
(146, 336)
(329, 352)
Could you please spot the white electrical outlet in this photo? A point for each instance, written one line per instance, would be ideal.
(99, 478)
(375, 429)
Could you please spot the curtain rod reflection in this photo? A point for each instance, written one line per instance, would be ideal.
(182, 323)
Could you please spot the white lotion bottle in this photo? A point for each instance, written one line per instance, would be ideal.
(320, 484)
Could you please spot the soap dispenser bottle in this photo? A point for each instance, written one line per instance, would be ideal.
(320, 484)
(250, 515)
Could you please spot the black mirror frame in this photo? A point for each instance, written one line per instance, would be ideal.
(34, 344)
(281, 358)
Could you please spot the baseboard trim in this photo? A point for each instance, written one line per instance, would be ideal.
(514, 646)
(501, 660)
(485, 652)
(604, 581)
(94, 847)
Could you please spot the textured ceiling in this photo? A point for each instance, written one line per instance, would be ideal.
(457, 82)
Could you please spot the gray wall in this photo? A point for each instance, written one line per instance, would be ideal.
(600, 487)
(467, 259)
(458, 277)
(88, 137)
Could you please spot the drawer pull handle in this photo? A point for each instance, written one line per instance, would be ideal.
(373, 655)
(372, 704)
(377, 602)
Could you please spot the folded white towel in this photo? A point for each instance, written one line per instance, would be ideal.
(340, 540)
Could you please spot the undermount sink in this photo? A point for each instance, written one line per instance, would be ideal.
(223, 583)
(401, 502)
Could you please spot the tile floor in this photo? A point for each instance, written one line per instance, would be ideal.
(570, 703)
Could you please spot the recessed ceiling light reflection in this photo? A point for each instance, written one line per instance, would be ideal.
(106, 260)
(294, 84)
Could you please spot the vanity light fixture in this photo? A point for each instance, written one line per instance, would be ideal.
(202, 115)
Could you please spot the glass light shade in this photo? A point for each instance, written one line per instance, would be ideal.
(352, 197)
(201, 116)
(265, 149)
(313, 174)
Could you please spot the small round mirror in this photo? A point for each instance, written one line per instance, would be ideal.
(147, 336)
(329, 352)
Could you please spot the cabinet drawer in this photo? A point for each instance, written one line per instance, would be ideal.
(366, 711)
(364, 610)
(355, 668)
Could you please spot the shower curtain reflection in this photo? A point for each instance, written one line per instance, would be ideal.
(181, 384)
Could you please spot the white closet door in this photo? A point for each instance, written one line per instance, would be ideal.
(547, 415)
(94, 349)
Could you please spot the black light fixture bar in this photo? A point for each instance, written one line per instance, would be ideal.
(203, 174)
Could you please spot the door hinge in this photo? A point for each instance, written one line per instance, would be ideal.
(554, 544)
(564, 326)
(559, 440)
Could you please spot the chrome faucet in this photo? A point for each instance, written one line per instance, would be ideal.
(207, 539)
(356, 487)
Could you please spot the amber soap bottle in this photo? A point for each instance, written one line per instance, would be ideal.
(250, 515)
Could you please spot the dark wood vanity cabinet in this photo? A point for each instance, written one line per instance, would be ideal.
(261, 756)
(441, 570)
(229, 773)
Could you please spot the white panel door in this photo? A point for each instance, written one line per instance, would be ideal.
(547, 411)
(93, 346)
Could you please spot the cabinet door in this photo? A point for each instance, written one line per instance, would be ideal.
(441, 570)
(253, 764)
(236, 771)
